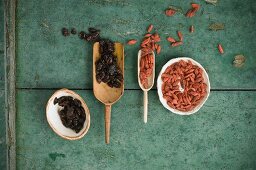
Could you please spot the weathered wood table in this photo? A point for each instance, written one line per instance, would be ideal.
(222, 135)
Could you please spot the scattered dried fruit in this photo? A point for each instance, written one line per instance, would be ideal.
(150, 27)
(239, 60)
(93, 30)
(177, 43)
(183, 85)
(216, 26)
(191, 12)
(73, 31)
(147, 35)
(170, 12)
(93, 35)
(220, 48)
(191, 29)
(170, 39)
(195, 6)
(176, 8)
(180, 35)
(132, 42)
(65, 32)
(82, 35)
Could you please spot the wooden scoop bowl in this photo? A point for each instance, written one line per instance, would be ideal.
(150, 85)
(102, 91)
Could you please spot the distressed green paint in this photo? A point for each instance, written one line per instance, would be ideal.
(3, 146)
(1, 28)
(220, 136)
(46, 59)
(55, 155)
(2, 132)
(1, 70)
(1, 45)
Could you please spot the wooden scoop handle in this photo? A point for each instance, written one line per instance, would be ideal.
(145, 106)
(107, 122)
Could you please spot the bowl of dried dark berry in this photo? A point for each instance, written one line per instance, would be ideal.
(68, 115)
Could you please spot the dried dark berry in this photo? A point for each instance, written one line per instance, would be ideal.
(98, 78)
(95, 36)
(55, 100)
(117, 84)
(112, 69)
(93, 30)
(110, 84)
(82, 34)
(77, 102)
(65, 32)
(119, 77)
(73, 31)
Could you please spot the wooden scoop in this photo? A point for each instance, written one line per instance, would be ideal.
(102, 91)
(150, 85)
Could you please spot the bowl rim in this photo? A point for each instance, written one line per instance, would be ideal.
(87, 112)
(159, 86)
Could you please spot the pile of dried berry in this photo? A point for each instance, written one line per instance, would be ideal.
(146, 68)
(183, 85)
(107, 69)
(72, 115)
(148, 45)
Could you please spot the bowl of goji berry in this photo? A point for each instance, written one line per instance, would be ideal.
(183, 86)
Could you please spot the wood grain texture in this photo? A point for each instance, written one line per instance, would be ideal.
(46, 59)
(3, 144)
(220, 136)
(10, 81)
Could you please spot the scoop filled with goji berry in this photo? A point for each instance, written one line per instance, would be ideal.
(146, 75)
(183, 86)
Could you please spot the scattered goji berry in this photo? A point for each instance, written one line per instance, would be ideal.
(191, 29)
(180, 35)
(170, 12)
(220, 48)
(132, 42)
(150, 27)
(170, 39)
(178, 43)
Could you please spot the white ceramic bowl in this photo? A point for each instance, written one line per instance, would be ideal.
(160, 82)
(54, 120)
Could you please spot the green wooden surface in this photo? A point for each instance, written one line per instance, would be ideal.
(2, 99)
(46, 59)
(220, 136)
(1, 45)
(2, 132)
